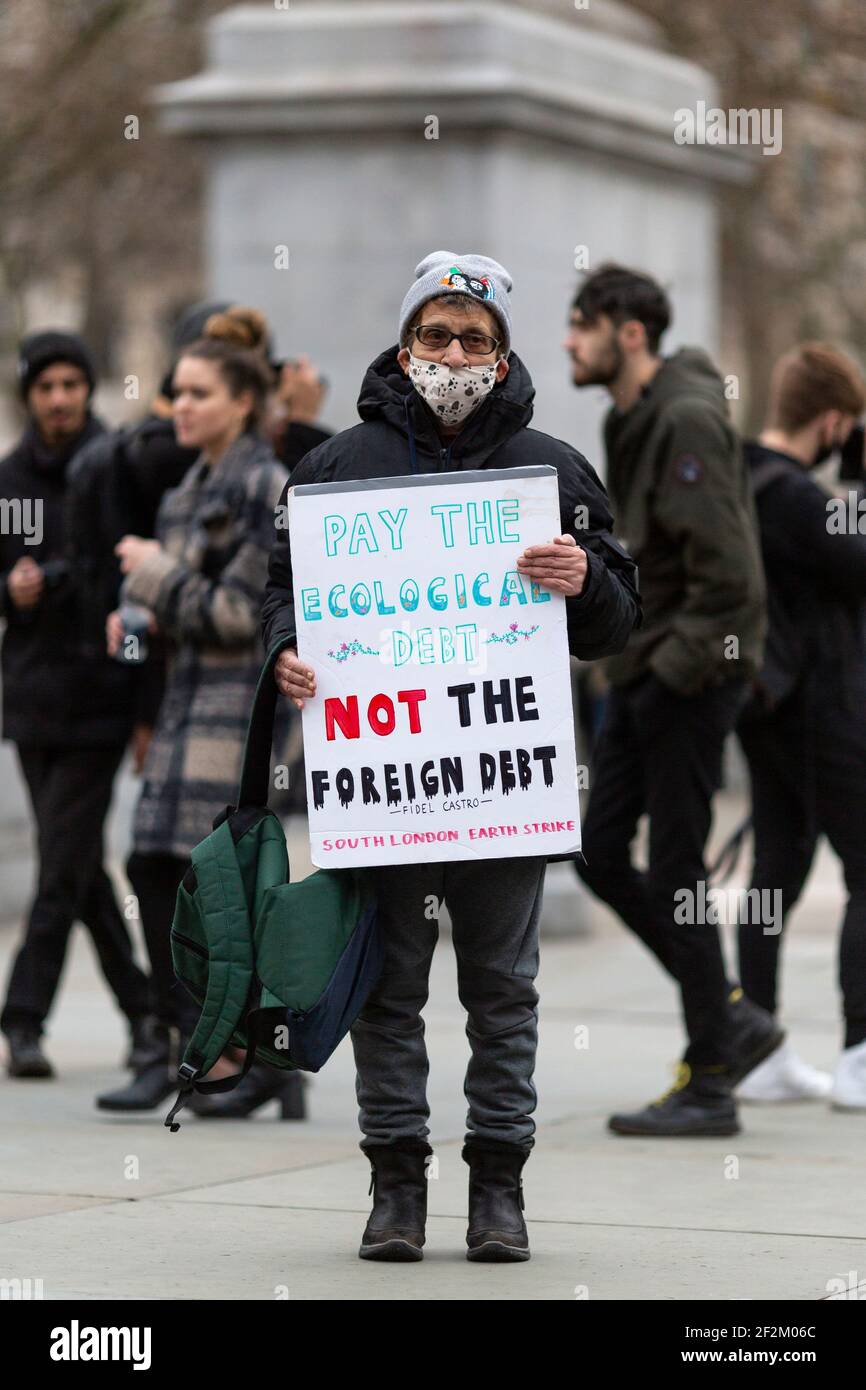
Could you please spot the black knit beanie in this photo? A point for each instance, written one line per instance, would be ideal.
(41, 350)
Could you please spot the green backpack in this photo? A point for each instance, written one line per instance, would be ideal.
(281, 969)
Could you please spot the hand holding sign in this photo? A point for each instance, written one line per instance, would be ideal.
(294, 677)
(560, 566)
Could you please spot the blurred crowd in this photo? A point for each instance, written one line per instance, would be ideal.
(133, 568)
(86, 675)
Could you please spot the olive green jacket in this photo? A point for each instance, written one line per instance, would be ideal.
(684, 509)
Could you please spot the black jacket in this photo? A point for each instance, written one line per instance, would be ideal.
(297, 441)
(57, 690)
(683, 506)
(395, 421)
(816, 583)
(116, 483)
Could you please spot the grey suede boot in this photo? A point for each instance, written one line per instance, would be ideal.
(395, 1230)
(497, 1230)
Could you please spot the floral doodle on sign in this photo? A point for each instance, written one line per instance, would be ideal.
(353, 648)
(513, 634)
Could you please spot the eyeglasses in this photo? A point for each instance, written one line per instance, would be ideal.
(440, 338)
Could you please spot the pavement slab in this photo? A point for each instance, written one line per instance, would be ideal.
(102, 1206)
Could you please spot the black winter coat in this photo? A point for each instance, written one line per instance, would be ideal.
(681, 497)
(816, 585)
(398, 428)
(57, 692)
(116, 483)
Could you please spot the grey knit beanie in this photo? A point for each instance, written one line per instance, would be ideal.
(446, 272)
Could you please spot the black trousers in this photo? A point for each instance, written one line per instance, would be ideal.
(660, 753)
(808, 774)
(70, 792)
(155, 879)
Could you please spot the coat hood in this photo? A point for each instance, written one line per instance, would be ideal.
(688, 372)
(688, 375)
(388, 394)
(756, 454)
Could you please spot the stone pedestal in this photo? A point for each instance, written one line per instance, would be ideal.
(551, 134)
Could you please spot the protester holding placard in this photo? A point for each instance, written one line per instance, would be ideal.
(453, 396)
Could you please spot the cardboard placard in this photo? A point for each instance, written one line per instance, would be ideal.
(442, 724)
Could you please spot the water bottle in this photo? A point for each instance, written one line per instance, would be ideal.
(133, 644)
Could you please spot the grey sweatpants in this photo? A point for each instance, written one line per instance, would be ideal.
(495, 905)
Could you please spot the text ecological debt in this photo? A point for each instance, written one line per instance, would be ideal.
(424, 634)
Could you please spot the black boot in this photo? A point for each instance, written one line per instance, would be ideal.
(152, 1083)
(698, 1103)
(261, 1084)
(398, 1182)
(497, 1230)
(145, 1042)
(755, 1034)
(26, 1058)
(149, 1088)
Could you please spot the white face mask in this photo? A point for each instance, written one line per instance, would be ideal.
(452, 393)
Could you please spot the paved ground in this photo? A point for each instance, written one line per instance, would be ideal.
(98, 1207)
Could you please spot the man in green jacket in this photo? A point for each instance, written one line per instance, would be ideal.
(683, 506)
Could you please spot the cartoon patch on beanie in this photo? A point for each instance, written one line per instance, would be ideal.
(457, 279)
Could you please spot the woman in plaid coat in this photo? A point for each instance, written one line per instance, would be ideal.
(202, 582)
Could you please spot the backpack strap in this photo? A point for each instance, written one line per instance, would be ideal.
(230, 945)
(225, 1083)
(256, 769)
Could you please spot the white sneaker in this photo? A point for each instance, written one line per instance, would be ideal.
(849, 1083)
(785, 1076)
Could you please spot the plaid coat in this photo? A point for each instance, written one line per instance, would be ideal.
(205, 587)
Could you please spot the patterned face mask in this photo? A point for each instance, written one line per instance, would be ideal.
(452, 393)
